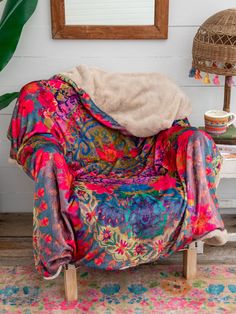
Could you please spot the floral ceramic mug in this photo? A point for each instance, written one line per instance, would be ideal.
(217, 121)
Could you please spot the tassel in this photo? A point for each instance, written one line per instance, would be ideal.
(216, 80)
(192, 72)
(230, 81)
(197, 75)
(206, 79)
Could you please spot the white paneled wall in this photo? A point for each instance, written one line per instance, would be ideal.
(39, 57)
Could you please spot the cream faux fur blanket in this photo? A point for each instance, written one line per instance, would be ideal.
(143, 103)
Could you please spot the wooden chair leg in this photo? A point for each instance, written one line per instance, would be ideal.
(70, 282)
(190, 263)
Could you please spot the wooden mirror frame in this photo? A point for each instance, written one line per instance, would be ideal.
(62, 31)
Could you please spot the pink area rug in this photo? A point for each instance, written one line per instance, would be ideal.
(141, 290)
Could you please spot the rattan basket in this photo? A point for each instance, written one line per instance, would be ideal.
(214, 45)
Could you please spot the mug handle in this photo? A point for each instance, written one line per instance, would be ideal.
(231, 118)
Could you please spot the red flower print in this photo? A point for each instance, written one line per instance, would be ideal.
(164, 183)
(27, 106)
(59, 161)
(109, 153)
(134, 152)
(209, 158)
(40, 192)
(40, 127)
(77, 222)
(46, 99)
(100, 189)
(47, 251)
(43, 206)
(98, 261)
(64, 180)
(209, 171)
(45, 273)
(35, 239)
(91, 255)
(43, 222)
(15, 127)
(111, 265)
(106, 234)
(121, 247)
(31, 88)
(211, 185)
(86, 96)
(41, 160)
(89, 216)
(200, 223)
(83, 248)
(73, 208)
(159, 246)
(56, 83)
(48, 238)
(184, 137)
(52, 107)
(139, 249)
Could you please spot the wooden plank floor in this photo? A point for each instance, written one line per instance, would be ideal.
(16, 239)
(16, 243)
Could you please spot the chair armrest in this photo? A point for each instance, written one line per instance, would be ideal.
(43, 160)
(37, 152)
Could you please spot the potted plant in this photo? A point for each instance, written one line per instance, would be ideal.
(15, 14)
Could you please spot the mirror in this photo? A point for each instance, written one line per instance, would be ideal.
(109, 12)
(109, 19)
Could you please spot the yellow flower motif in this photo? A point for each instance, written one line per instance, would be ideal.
(175, 286)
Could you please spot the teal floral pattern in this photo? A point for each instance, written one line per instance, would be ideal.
(232, 288)
(110, 289)
(215, 289)
(137, 289)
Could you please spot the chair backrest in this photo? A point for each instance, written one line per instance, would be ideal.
(93, 140)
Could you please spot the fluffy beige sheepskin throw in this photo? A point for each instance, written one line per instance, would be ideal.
(143, 103)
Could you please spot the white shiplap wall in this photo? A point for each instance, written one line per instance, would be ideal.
(39, 57)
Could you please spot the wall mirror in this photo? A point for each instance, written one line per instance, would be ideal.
(109, 19)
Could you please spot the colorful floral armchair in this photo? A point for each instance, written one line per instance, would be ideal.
(105, 198)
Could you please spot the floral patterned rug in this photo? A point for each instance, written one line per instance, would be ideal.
(144, 289)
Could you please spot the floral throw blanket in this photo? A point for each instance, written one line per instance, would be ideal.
(105, 198)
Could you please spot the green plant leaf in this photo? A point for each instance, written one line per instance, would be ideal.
(6, 99)
(16, 13)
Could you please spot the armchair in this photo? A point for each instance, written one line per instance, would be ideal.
(104, 197)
